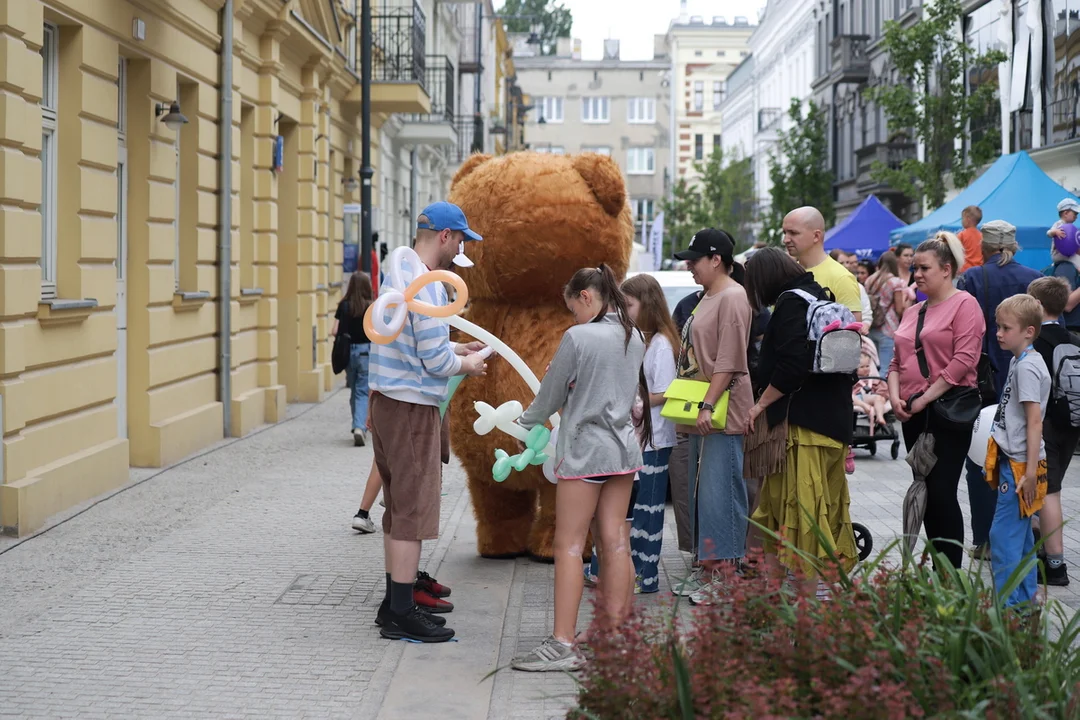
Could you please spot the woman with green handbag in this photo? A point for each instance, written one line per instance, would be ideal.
(711, 401)
(808, 418)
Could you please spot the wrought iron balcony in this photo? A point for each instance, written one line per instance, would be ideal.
(398, 43)
(470, 135)
(470, 61)
(436, 127)
(889, 154)
(849, 59)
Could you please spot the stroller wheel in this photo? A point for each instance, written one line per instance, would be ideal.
(895, 449)
(864, 541)
(873, 448)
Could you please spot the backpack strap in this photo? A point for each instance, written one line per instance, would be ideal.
(920, 354)
(803, 294)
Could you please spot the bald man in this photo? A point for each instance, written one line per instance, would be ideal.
(804, 239)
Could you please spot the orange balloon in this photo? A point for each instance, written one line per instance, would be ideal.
(437, 311)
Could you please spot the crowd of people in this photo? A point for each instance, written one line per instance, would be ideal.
(769, 436)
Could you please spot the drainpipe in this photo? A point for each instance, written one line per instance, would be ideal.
(225, 220)
(414, 182)
(477, 143)
(366, 171)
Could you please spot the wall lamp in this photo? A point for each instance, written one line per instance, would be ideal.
(174, 119)
(350, 183)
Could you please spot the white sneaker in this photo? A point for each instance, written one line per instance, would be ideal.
(709, 594)
(549, 656)
(363, 524)
(690, 584)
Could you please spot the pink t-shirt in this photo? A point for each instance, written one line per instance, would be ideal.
(952, 338)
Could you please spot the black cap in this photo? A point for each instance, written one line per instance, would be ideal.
(709, 241)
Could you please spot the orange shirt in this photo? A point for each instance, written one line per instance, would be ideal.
(971, 239)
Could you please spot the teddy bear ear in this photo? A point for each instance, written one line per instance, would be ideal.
(602, 176)
(471, 163)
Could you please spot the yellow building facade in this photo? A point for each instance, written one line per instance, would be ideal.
(111, 330)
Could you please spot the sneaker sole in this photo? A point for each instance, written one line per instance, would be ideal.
(562, 666)
(391, 634)
(363, 530)
(436, 610)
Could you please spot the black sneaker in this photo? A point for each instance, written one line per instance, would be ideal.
(1057, 576)
(413, 625)
(380, 617)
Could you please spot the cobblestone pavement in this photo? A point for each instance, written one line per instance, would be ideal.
(231, 585)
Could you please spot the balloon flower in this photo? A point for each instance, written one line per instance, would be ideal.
(385, 319)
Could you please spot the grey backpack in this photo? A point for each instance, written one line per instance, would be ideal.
(1065, 388)
(837, 349)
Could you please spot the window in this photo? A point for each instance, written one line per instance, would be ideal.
(640, 161)
(699, 95)
(594, 110)
(50, 76)
(643, 213)
(551, 109)
(641, 110)
(350, 46)
(717, 93)
(699, 147)
(697, 53)
(744, 53)
(721, 53)
(551, 150)
(715, 142)
(598, 149)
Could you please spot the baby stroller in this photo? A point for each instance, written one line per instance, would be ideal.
(869, 391)
(862, 437)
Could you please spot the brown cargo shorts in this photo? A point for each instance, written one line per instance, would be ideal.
(408, 444)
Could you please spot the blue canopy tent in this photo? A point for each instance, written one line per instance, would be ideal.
(1013, 189)
(865, 231)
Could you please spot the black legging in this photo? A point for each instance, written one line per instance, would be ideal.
(943, 517)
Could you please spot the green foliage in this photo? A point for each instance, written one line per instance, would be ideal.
(554, 20)
(799, 170)
(926, 98)
(721, 196)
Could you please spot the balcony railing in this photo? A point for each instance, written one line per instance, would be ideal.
(767, 117)
(470, 61)
(398, 42)
(849, 58)
(890, 154)
(440, 78)
(470, 133)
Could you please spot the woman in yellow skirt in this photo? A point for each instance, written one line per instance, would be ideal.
(800, 426)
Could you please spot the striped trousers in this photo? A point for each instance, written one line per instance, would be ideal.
(647, 531)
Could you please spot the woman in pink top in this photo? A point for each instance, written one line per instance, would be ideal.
(951, 339)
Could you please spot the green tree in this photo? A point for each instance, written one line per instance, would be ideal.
(554, 20)
(799, 170)
(721, 196)
(927, 99)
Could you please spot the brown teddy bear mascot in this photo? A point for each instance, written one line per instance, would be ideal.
(543, 217)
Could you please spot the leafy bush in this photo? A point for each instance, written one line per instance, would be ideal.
(893, 642)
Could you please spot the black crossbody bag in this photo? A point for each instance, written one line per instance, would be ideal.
(958, 408)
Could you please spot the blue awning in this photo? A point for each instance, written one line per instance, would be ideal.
(1013, 189)
(865, 231)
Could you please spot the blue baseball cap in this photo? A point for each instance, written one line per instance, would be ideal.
(446, 216)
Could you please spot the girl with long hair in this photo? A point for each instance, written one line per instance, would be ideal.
(349, 319)
(594, 377)
(890, 291)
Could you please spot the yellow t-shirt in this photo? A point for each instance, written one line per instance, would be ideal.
(831, 274)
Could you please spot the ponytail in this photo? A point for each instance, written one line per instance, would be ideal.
(602, 279)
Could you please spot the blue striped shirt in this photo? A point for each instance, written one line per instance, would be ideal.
(416, 367)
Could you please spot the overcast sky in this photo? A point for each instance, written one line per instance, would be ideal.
(634, 22)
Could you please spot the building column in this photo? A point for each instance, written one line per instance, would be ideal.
(265, 229)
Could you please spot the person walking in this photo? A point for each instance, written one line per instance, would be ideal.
(714, 348)
(808, 426)
(409, 378)
(999, 277)
(886, 286)
(349, 319)
(937, 350)
(594, 377)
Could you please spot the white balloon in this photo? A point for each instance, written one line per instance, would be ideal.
(984, 425)
(400, 257)
(549, 464)
(503, 418)
(381, 306)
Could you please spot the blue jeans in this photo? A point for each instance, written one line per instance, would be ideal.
(982, 499)
(884, 350)
(647, 532)
(1011, 540)
(356, 377)
(718, 503)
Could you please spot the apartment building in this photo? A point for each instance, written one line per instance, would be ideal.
(779, 69)
(701, 56)
(154, 298)
(611, 106)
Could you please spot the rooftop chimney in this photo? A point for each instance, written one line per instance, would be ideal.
(719, 20)
(741, 20)
(683, 12)
(611, 49)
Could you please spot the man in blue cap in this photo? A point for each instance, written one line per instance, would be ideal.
(409, 378)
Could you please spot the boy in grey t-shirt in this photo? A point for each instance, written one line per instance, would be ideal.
(1016, 457)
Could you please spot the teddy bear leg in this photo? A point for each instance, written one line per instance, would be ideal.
(503, 518)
